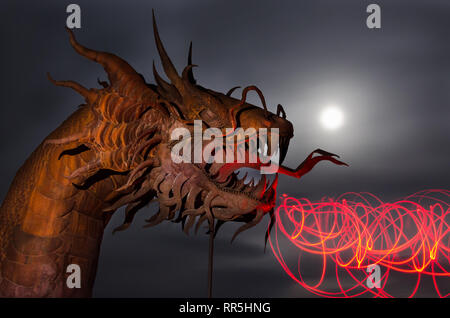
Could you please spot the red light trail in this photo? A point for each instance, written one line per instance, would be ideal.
(346, 235)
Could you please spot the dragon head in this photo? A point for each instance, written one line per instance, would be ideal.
(214, 188)
(141, 131)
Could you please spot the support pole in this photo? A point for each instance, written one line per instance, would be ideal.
(210, 260)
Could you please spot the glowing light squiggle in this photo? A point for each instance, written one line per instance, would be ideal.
(408, 237)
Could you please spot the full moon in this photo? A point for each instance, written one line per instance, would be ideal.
(332, 118)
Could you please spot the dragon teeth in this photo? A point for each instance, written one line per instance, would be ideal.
(254, 184)
(260, 188)
(270, 179)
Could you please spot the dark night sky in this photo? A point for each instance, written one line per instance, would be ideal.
(393, 86)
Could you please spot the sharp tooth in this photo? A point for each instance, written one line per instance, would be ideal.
(245, 178)
(275, 181)
(260, 188)
(269, 180)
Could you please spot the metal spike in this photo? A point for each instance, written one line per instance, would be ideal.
(256, 220)
(261, 186)
(167, 89)
(117, 69)
(190, 75)
(88, 94)
(280, 110)
(187, 70)
(168, 66)
(232, 90)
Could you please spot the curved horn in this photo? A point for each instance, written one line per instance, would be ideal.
(190, 74)
(232, 90)
(280, 111)
(169, 69)
(164, 85)
(186, 75)
(117, 69)
(167, 89)
(260, 94)
(86, 93)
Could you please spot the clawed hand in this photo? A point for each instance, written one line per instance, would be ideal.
(310, 162)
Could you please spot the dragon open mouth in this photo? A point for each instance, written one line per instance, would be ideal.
(246, 178)
(249, 182)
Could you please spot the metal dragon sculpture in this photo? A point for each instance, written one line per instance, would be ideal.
(114, 151)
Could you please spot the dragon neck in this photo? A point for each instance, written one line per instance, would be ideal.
(47, 223)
